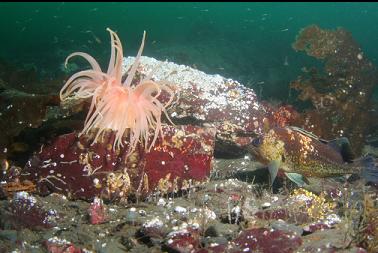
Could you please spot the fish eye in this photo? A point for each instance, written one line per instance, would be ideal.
(257, 141)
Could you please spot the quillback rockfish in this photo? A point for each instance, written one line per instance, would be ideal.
(301, 154)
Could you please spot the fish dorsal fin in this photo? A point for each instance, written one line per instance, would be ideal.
(342, 145)
(306, 133)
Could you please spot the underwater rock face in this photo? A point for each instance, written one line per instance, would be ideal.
(24, 105)
(204, 97)
(267, 241)
(71, 165)
(183, 241)
(97, 212)
(341, 94)
(232, 114)
(233, 109)
(251, 240)
(18, 111)
(211, 100)
(26, 211)
(56, 245)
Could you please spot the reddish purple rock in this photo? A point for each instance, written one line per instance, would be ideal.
(259, 240)
(27, 212)
(266, 241)
(311, 228)
(56, 245)
(71, 165)
(183, 241)
(152, 231)
(213, 249)
(97, 212)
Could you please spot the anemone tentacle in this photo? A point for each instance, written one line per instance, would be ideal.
(129, 110)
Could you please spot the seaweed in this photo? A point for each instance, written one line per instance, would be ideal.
(340, 94)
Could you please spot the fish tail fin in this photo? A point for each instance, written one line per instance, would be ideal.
(369, 170)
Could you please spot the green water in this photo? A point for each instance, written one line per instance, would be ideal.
(250, 42)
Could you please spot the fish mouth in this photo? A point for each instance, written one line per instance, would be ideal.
(254, 148)
(257, 156)
(254, 151)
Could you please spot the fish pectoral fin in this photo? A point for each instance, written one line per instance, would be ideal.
(273, 170)
(299, 179)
